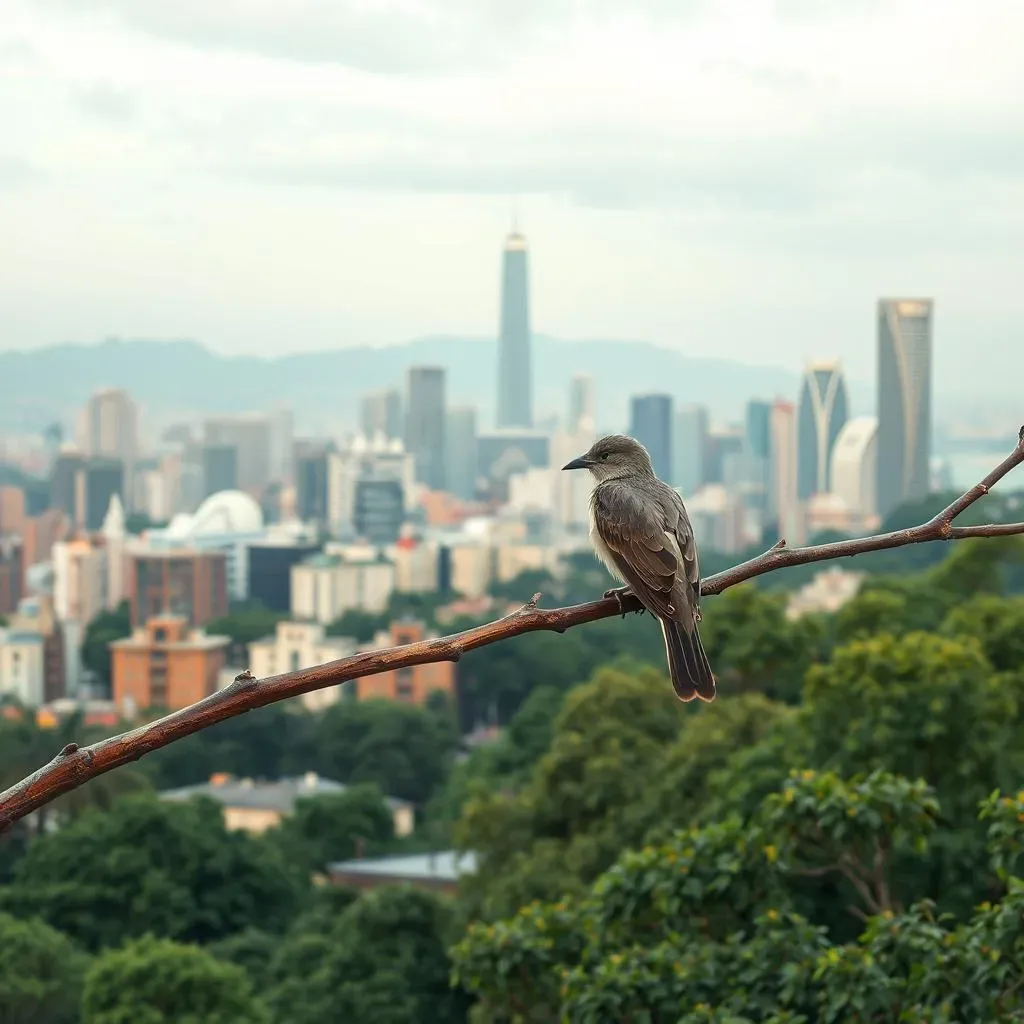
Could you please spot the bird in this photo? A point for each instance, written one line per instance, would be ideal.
(640, 530)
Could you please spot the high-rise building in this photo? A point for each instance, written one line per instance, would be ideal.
(220, 468)
(690, 448)
(515, 383)
(64, 484)
(380, 412)
(855, 465)
(650, 422)
(104, 477)
(113, 430)
(311, 475)
(581, 403)
(904, 400)
(824, 409)
(252, 435)
(783, 501)
(425, 423)
(193, 584)
(757, 443)
(461, 457)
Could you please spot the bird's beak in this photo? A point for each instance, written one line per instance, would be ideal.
(580, 463)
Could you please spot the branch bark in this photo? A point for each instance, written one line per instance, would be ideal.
(73, 766)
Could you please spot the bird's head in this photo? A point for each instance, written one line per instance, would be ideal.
(612, 457)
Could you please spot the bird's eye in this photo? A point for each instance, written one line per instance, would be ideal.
(604, 455)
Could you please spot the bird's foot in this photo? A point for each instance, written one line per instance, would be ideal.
(619, 593)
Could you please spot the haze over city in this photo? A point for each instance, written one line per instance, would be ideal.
(742, 179)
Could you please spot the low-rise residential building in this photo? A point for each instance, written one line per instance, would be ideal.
(827, 591)
(165, 664)
(326, 586)
(297, 645)
(36, 616)
(256, 805)
(413, 684)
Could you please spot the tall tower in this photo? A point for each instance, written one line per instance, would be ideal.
(904, 400)
(425, 424)
(515, 384)
(650, 422)
(824, 409)
(581, 402)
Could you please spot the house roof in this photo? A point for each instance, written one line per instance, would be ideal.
(442, 866)
(279, 795)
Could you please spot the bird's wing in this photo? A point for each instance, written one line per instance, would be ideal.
(644, 547)
(678, 523)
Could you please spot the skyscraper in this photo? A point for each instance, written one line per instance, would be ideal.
(650, 422)
(113, 427)
(581, 403)
(515, 385)
(380, 412)
(783, 502)
(251, 434)
(690, 448)
(461, 455)
(425, 423)
(904, 400)
(757, 444)
(855, 464)
(823, 411)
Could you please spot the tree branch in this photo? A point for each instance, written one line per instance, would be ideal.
(75, 765)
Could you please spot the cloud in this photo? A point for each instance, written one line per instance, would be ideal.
(382, 36)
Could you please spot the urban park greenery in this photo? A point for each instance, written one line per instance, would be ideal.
(839, 837)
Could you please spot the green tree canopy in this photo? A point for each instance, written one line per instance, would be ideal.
(384, 959)
(335, 826)
(405, 750)
(99, 634)
(151, 866)
(153, 981)
(41, 973)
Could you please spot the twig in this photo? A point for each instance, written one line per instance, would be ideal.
(75, 765)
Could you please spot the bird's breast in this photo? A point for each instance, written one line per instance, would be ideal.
(601, 549)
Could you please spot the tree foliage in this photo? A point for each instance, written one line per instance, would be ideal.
(41, 973)
(151, 981)
(99, 634)
(151, 866)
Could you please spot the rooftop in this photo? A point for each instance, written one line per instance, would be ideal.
(443, 866)
(279, 795)
(196, 641)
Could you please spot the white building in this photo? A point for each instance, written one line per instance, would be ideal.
(379, 459)
(472, 568)
(298, 645)
(718, 518)
(114, 536)
(324, 587)
(416, 565)
(79, 580)
(231, 522)
(854, 470)
(828, 591)
(22, 667)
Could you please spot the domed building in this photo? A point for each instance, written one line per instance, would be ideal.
(229, 521)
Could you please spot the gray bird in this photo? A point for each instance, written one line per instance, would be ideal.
(640, 530)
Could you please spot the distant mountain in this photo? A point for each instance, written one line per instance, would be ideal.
(174, 380)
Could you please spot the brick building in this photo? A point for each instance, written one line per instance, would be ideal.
(190, 584)
(412, 685)
(165, 664)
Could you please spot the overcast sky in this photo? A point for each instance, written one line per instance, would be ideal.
(742, 178)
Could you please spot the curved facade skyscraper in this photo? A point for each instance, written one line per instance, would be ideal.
(515, 382)
(824, 408)
(904, 401)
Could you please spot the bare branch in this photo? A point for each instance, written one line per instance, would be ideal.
(75, 765)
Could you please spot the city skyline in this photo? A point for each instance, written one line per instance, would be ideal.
(737, 225)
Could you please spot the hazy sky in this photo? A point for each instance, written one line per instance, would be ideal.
(742, 179)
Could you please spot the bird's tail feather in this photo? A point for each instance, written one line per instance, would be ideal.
(688, 665)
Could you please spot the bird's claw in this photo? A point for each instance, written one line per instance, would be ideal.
(619, 593)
